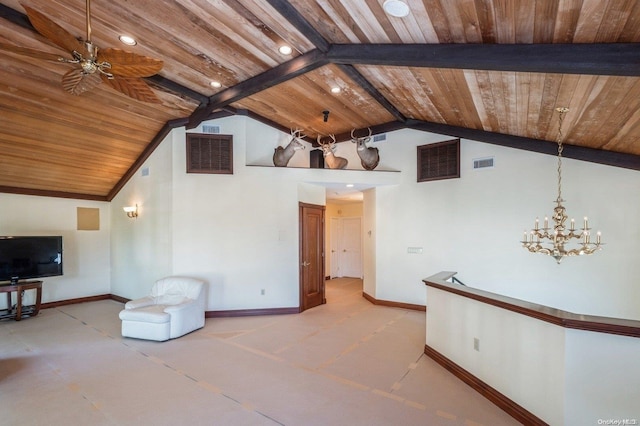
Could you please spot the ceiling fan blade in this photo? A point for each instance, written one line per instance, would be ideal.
(25, 51)
(128, 64)
(54, 32)
(76, 82)
(133, 87)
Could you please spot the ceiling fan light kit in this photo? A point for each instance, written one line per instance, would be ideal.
(121, 70)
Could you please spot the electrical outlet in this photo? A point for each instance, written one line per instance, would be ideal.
(262, 292)
(476, 344)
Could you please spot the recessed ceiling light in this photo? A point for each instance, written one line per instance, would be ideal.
(396, 8)
(129, 41)
(215, 84)
(285, 50)
(335, 89)
(349, 185)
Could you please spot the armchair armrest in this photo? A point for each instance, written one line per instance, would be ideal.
(187, 304)
(140, 303)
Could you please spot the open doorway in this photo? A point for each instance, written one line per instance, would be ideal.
(344, 259)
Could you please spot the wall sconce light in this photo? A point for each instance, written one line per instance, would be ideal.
(131, 211)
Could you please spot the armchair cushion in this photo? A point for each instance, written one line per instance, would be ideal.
(174, 308)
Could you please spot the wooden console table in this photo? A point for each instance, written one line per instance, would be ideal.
(19, 310)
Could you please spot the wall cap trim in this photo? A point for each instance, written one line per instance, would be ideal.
(619, 326)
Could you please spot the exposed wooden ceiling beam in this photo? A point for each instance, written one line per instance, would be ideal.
(599, 156)
(272, 77)
(621, 59)
(293, 17)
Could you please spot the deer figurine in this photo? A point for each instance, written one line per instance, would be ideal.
(330, 159)
(369, 157)
(281, 156)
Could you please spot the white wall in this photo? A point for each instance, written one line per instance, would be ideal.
(237, 232)
(561, 375)
(86, 259)
(473, 225)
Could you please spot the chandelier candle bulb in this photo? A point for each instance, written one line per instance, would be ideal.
(537, 221)
(598, 237)
(573, 224)
(586, 223)
(546, 222)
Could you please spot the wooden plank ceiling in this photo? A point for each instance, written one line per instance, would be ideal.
(490, 70)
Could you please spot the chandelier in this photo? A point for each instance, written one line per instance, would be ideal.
(554, 241)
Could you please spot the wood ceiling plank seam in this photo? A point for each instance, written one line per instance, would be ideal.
(621, 141)
(524, 18)
(362, 82)
(98, 154)
(417, 90)
(566, 93)
(228, 20)
(591, 16)
(51, 125)
(415, 28)
(92, 170)
(549, 102)
(625, 93)
(442, 22)
(523, 88)
(398, 30)
(585, 91)
(298, 20)
(439, 94)
(284, 27)
(72, 161)
(385, 80)
(470, 114)
(496, 85)
(483, 79)
(545, 19)
(364, 18)
(337, 15)
(510, 101)
(482, 102)
(615, 13)
(486, 20)
(567, 21)
(536, 92)
(469, 20)
(84, 118)
(631, 30)
(62, 133)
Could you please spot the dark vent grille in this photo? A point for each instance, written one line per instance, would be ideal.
(439, 161)
(209, 153)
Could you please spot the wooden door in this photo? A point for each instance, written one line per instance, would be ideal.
(311, 256)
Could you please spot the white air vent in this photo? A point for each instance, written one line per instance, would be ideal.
(210, 129)
(483, 163)
(380, 138)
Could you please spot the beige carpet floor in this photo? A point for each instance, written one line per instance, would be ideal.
(344, 363)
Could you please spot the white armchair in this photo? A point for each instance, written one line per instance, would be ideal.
(174, 308)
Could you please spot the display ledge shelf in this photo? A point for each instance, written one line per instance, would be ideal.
(623, 327)
(324, 168)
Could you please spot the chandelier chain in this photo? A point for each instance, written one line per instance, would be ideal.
(562, 112)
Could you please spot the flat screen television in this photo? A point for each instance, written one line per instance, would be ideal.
(30, 257)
